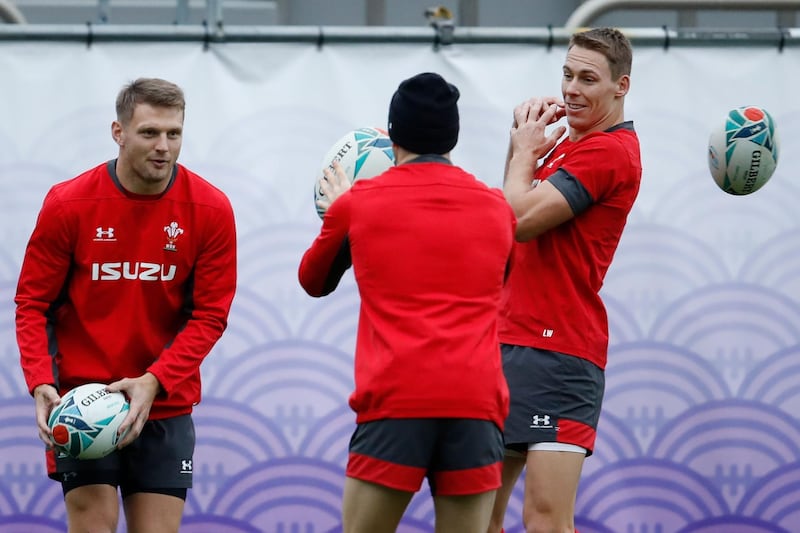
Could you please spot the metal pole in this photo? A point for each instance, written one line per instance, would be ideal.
(592, 9)
(789, 37)
(214, 14)
(10, 13)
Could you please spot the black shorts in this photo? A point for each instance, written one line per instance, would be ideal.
(459, 456)
(159, 461)
(554, 398)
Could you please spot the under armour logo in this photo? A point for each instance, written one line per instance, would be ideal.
(186, 466)
(104, 233)
(540, 421)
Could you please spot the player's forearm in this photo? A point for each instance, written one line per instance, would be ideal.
(323, 265)
(32, 340)
(518, 180)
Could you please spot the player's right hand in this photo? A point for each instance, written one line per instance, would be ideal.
(46, 397)
(333, 185)
(530, 134)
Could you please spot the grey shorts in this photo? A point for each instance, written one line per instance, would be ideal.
(554, 398)
(159, 460)
(459, 456)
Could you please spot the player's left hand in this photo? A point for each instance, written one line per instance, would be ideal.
(333, 185)
(141, 392)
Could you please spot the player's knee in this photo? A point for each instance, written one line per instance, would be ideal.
(90, 520)
(544, 519)
(546, 525)
(92, 513)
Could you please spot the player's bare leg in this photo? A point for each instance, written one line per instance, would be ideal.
(463, 514)
(92, 509)
(512, 468)
(371, 508)
(153, 513)
(551, 487)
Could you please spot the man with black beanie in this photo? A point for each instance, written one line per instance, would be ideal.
(423, 115)
(430, 247)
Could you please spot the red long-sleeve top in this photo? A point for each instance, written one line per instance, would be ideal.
(115, 284)
(430, 248)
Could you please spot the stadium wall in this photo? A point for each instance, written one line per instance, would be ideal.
(700, 429)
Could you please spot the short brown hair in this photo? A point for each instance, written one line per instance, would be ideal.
(152, 91)
(611, 43)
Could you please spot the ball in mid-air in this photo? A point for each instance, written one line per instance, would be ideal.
(743, 150)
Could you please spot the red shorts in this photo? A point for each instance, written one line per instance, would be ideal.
(459, 456)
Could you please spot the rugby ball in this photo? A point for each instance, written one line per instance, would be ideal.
(743, 150)
(362, 153)
(84, 425)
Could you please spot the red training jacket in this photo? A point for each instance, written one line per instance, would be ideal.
(430, 248)
(115, 284)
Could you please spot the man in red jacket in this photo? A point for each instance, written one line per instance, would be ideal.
(127, 280)
(430, 247)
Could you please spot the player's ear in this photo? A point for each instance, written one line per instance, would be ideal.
(116, 133)
(623, 85)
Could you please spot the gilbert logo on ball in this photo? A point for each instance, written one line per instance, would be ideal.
(84, 425)
(743, 150)
(362, 153)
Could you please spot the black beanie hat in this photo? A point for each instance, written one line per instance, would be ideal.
(423, 115)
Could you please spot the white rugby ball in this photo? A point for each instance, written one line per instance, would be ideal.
(743, 150)
(84, 425)
(362, 153)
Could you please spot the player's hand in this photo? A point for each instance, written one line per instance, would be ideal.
(333, 185)
(141, 392)
(531, 119)
(541, 103)
(46, 397)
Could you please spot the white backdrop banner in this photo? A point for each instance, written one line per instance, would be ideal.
(699, 432)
